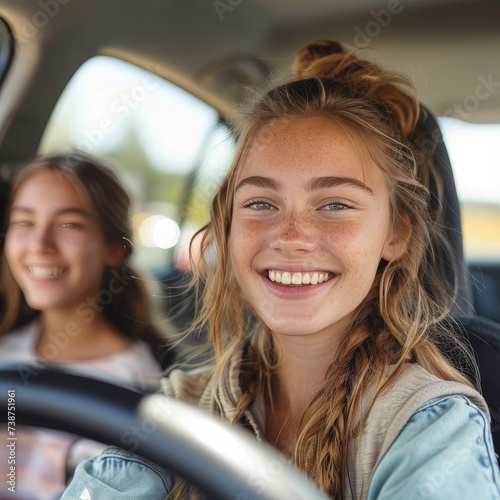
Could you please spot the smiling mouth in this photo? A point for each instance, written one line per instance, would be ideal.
(298, 279)
(46, 272)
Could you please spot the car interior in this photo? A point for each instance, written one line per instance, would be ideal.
(152, 87)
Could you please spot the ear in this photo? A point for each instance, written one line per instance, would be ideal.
(116, 253)
(397, 240)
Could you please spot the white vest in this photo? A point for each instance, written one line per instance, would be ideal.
(390, 412)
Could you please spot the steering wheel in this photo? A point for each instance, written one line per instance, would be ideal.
(225, 462)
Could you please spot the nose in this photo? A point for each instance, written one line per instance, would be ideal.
(295, 233)
(42, 240)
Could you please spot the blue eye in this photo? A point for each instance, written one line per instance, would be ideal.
(336, 206)
(259, 205)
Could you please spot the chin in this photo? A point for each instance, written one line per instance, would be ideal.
(294, 330)
(41, 304)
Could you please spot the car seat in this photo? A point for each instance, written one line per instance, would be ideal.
(482, 334)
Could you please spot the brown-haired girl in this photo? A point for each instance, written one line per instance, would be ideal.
(325, 310)
(69, 296)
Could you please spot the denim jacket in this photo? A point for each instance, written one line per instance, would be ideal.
(443, 452)
(415, 446)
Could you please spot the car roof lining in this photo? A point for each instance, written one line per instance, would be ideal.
(196, 45)
(192, 42)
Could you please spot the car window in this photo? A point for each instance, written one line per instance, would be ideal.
(474, 151)
(163, 140)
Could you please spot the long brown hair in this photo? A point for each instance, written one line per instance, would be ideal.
(403, 318)
(129, 309)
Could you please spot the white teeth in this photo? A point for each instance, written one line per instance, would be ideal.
(287, 278)
(45, 272)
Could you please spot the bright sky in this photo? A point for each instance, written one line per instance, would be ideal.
(107, 97)
(475, 156)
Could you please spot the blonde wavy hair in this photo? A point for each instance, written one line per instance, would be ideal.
(404, 317)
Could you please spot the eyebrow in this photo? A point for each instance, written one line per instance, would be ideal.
(63, 211)
(313, 185)
(259, 181)
(327, 182)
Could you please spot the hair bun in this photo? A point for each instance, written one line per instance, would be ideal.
(314, 51)
(327, 59)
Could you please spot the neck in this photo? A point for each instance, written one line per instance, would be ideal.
(66, 336)
(300, 375)
(303, 367)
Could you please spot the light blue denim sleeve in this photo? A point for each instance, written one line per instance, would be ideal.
(118, 475)
(445, 451)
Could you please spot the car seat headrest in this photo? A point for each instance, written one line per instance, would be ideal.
(452, 272)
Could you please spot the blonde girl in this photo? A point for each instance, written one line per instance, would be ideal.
(326, 313)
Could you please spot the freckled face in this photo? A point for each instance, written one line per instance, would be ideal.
(310, 224)
(54, 246)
